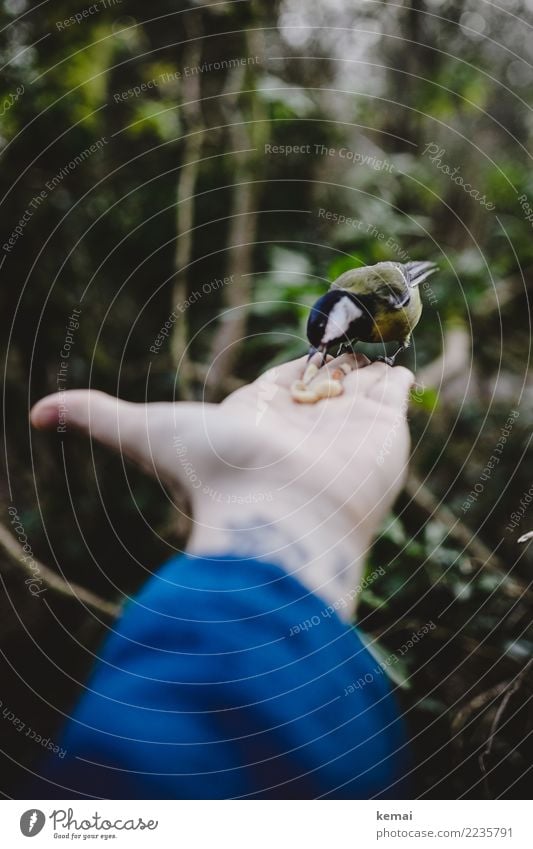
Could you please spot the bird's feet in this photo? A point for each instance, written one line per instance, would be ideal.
(389, 361)
(346, 348)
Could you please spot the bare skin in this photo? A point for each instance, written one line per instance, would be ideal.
(303, 485)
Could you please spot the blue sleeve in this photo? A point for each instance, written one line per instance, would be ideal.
(226, 678)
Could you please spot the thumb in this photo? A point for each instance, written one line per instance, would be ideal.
(145, 433)
(118, 424)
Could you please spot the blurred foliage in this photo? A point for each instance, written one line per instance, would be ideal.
(384, 102)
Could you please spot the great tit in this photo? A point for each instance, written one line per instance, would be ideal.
(377, 303)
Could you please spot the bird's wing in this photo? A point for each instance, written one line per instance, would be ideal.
(416, 272)
(386, 282)
(381, 280)
(390, 284)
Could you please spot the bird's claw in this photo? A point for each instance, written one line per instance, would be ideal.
(346, 348)
(389, 361)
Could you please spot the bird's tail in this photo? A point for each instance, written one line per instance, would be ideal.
(418, 271)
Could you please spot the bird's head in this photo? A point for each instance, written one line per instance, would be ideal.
(331, 318)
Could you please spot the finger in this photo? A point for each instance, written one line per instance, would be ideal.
(348, 362)
(334, 371)
(363, 380)
(380, 382)
(336, 368)
(394, 387)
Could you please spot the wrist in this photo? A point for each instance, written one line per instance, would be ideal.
(315, 543)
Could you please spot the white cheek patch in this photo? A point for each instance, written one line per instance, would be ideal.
(340, 318)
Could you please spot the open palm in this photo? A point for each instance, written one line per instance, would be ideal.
(304, 484)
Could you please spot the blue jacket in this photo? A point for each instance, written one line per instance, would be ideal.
(226, 678)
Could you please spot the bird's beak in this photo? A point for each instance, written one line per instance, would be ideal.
(322, 349)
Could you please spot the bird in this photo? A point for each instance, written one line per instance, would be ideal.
(375, 303)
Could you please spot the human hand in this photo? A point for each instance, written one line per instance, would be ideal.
(305, 486)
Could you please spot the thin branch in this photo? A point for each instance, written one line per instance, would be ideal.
(452, 362)
(429, 503)
(455, 359)
(476, 704)
(511, 689)
(244, 136)
(502, 294)
(16, 554)
(191, 117)
(200, 373)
